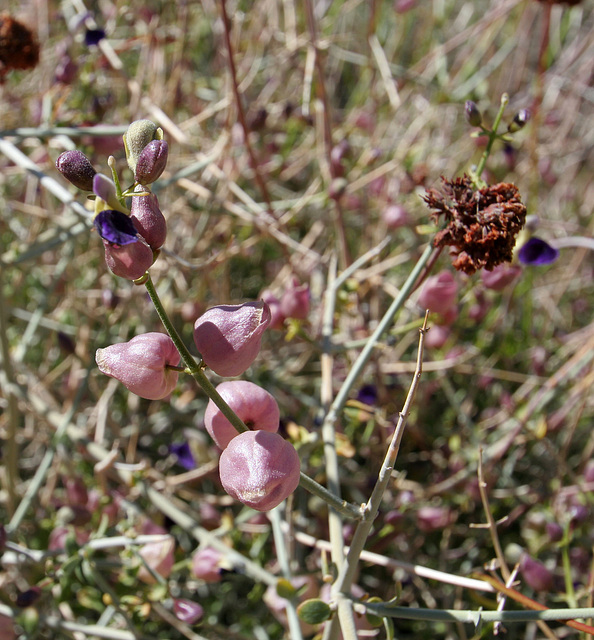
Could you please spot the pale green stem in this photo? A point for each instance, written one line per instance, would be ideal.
(197, 372)
(492, 137)
(347, 573)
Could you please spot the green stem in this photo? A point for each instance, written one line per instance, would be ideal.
(196, 370)
(492, 137)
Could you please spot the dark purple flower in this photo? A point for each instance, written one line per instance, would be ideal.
(115, 227)
(537, 252)
(184, 455)
(367, 395)
(93, 36)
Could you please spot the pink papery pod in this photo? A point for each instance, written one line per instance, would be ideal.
(295, 301)
(439, 293)
(277, 319)
(152, 162)
(395, 216)
(228, 337)
(260, 469)
(500, 276)
(148, 218)
(159, 557)
(140, 364)
(206, 564)
(255, 406)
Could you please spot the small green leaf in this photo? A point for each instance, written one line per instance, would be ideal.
(314, 611)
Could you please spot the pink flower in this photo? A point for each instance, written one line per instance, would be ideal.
(500, 276)
(141, 364)
(260, 469)
(295, 301)
(228, 337)
(255, 406)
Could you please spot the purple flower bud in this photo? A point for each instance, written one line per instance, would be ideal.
(536, 252)
(439, 293)
(105, 190)
(255, 406)
(29, 597)
(260, 469)
(535, 574)
(519, 121)
(187, 611)
(295, 301)
(141, 364)
(151, 162)
(472, 114)
(228, 337)
(148, 218)
(554, 531)
(395, 216)
(206, 565)
(136, 138)
(77, 169)
(500, 276)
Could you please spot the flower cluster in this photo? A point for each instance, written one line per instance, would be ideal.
(131, 236)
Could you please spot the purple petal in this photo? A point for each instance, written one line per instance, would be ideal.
(184, 455)
(93, 36)
(115, 227)
(537, 252)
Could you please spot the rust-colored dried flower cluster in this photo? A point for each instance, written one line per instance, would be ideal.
(18, 46)
(482, 224)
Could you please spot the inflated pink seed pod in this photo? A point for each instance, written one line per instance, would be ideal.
(159, 557)
(395, 216)
(206, 565)
(140, 364)
(260, 469)
(148, 218)
(439, 292)
(535, 574)
(255, 406)
(228, 337)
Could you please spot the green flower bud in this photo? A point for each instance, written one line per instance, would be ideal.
(472, 114)
(519, 121)
(136, 138)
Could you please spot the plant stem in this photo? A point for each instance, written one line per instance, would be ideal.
(492, 137)
(347, 572)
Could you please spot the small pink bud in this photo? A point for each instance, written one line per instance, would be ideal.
(152, 162)
(159, 557)
(140, 364)
(535, 574)
(187, 611)
(295, 301)
(148, 218)
(437, 336)
(500, 276)
(255, 406)
(206, 565)
(129, 261)
(395, 216)
(433, 518)
(260, 469)
(228, 337)
(439, 292)
(77, 169)
(277, 319)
